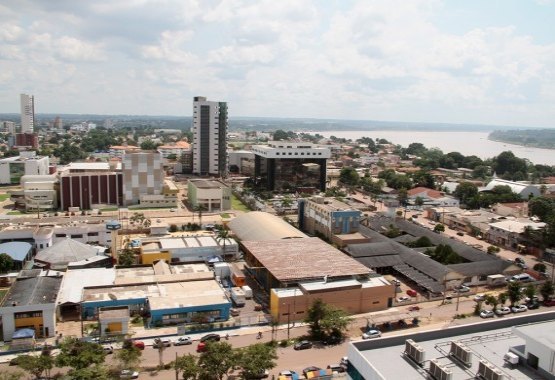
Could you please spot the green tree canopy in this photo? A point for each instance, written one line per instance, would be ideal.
(77, 354)
(325, 320)
(514, 293)
(218, 359)
(510, 167)
(188, 366)
(465, 191)
(6, 262)
(349, 177)
(542, 207)
(256, 358)
(35, 365)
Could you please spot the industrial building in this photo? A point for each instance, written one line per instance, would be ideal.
(261, 226)
(514, 348)
(69, 253)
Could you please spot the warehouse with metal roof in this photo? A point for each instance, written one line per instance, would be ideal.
(261, 226)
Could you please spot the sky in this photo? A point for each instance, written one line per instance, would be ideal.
(472, 61)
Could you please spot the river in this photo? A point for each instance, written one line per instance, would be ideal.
(466, 143)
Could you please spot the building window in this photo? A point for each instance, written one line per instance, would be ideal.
(77, 236)
(60, 235)
(28, 314)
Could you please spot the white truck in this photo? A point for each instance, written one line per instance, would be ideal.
(237, 296)
(496, 280)
(248, 291)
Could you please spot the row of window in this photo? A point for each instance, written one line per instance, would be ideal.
(28, 314)
(76, 236)
(297, 153)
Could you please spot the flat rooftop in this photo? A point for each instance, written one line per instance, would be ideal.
(36, 290)
(187, 294)
(489, 344)
(206, 184)
(299, 259)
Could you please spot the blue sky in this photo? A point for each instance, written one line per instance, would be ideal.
(486, 62)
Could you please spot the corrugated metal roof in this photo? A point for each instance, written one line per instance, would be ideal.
(17, 250)
(261, 226)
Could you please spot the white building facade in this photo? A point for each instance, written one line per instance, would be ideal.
(27, 113)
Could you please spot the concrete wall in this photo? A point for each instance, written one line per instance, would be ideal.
(48, 319)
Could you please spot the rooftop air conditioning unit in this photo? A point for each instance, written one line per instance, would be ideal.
(415, 352)
(462, 353)
(439, 372)
(488, 371)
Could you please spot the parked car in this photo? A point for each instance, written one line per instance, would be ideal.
(413, 308)
(550, 302)
(403, 299)
(234, 312)
(486, 314)
(310, 369)
(164, 342)
(462, 289)
(479, 297)
(344, 361)
(519, 308)
(183, 341)
(503, 310)
(460, 233)
(530, 300)
(533, 305)
(128, 374)
(139, 344)
(303, 345)
(412, 293)
(262, 375)
(290, 374)
(396, 282)
(210, 338)
(336, 368)
(371, 333)
(333, 340)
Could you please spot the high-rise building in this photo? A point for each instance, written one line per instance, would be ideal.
(143, 175)
(209, 137)
(27, 113)
(7, 127)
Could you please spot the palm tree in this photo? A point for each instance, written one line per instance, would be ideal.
(199, 208)
(223, 235)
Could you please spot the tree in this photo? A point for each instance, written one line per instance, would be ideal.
(11, 375)
(161, 348)
(326, 320)
(223, 235)
(199, 208)
(256, 358)
(218, 359)
(547, 290)
(507, 165)
(540, 267)
(419, 201)
(439, 228)
(513, 292)
(69, 152)
(93, 372)
(491, 301)
(542, 207)
(445, 254)
(280, 135)
(465, 191)
(349, 177)
(502, 298)
(187, 365)
(149, 145)
(530, 291)
(78, 355)
(35, 365)
(127, 257)
(129, 356)
(6, 262)
(403, 196)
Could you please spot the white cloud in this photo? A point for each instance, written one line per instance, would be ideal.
(376, 60)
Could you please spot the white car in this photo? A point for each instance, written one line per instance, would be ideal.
(519, 308)
(503, 310)
(372, 333)
(486, 314)
(128, 374)
(182, 341)
(479, 297)
(403, 299)
(462, 289)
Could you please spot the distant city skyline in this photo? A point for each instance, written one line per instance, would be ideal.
(470, 62)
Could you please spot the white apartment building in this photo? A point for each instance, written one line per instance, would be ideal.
(38, 193)
(8, 127)
(27, 163)
(209, 137)
(176, 149)
(27, 113)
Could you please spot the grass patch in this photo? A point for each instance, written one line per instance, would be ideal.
(3, 197)
(236, 204)
(3, 292)
(225, 216)
(15, 213)
(109, 209)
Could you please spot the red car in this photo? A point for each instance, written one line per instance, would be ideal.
(412, 293)
(139, 344)
(549, 302)
(413, 308)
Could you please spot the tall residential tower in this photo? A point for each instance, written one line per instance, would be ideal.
(209, 137)
(27, 113)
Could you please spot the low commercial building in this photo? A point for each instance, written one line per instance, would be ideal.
(31, 303)
(186, 249)
(168, 197)
(113, 320)
(524, 190)
(38, 193)
(510, 233)
(27, 163)
(68, 252)
(327, 216)
(19, 251)
(261, 226)
(212, 195)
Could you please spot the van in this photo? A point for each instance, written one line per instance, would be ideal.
(524, 277)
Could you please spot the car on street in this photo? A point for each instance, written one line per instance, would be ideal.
(128, 374)
(310, 369)
(503, 310)
(533, 305)
(139, 344)
(183, 341)
(234, 312)
(344, 361)
(371, 333)
(164, 342)
(303, 345)
(210, 338)
(462, 289)
(403, 299)
(413, 308)
(460, 233)
(486, 314)
(550, 302)
(338, 368)
(396, 282)
(332, 340)
(479, 297)
(533, 299)
(519, 308)
(290, 374)
(412, 293)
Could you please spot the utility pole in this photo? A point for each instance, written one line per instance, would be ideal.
(288, 320)
(175, 365)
